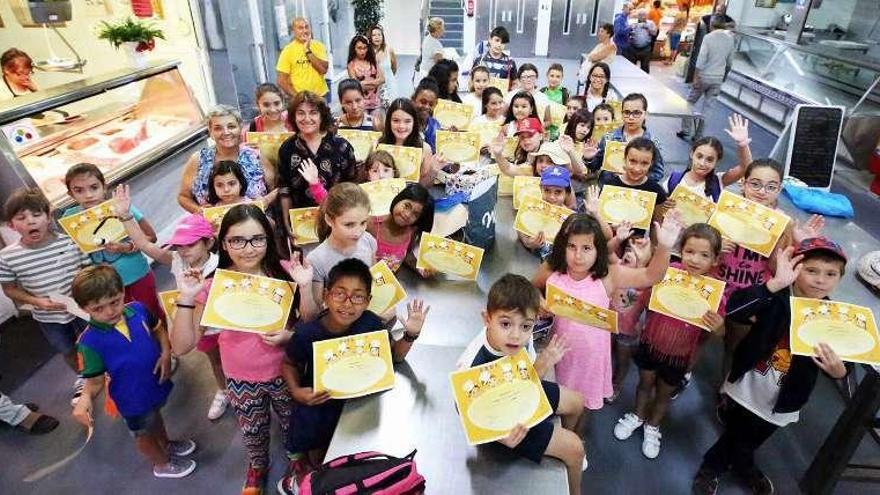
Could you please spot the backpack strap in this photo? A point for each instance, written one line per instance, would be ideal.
(674, 179)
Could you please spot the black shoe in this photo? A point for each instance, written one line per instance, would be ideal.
(33, 407)
(757, 481)
(683, 135)
(705, 482)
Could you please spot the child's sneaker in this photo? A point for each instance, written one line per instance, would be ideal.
(651, 441)
(296, 470)
(757, 481)
(180, 448)
(255, 480)
(78, 386)
(626, 426)
(218, 405)
(176, 468)
(705, 482)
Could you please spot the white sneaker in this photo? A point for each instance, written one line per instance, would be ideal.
(78, 386)
(176, 468)
(627, 425)
(651, 441)
(218, 405)
(586, 464)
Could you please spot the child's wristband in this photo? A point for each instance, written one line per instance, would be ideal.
(188, 306)
(126, 218)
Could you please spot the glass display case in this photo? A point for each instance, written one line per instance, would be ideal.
(123, 122)
(771, 76)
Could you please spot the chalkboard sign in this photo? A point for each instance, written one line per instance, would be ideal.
(812, 147)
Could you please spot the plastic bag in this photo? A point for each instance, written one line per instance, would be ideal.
(818, 201)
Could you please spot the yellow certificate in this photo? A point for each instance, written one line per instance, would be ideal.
(557, 113)
(536, 215)
(692, 207)
(386, 291)
(353, 366)
(458, 147)
(505, 182)
(363, 142)
(407, 160)
(303, 223)
(381, 193)
(493, 398)
(247, 303)
(448, 256)
(613, 159)
(619, 204)
(686, 297)
(525, 186)
(618, 111)
(565, 305)
(93, 228)
(215, 214)
(510, 145)
(452, 114)
(600, 130)
(749, 224)
(261, 138)
(849, 330)
(488, 131)
(168, 300)
(502, 84)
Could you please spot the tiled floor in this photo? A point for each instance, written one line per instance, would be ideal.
(110, 464)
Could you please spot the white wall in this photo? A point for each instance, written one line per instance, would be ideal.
(401, 24)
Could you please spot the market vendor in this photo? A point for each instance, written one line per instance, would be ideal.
(17, 69)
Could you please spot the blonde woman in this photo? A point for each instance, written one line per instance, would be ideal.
(432, 49)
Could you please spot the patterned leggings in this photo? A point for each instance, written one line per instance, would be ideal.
(251, 402)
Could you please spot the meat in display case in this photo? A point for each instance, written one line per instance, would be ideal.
(123, 122)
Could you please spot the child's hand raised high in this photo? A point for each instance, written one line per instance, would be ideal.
(828, 361)
(496, 147)
(738, 130)
(591, 149)
(669, 230)
(189, 283)
(787, 269)
(591, 200)
(416, 313)
(624, 231)
(809, 229)
(555, 351)
(121, 200)
(566, 143)
(300, 270)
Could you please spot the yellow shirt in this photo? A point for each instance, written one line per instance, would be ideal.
(303, 77)
(122, 327)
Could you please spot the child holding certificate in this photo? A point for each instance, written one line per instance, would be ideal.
(491, 107)
(521, 107)
(479, 82)
(635, 114)
(227, 185)
(510, 315)
(412, 213)
(767, 385)
(668, 346)
(637, 158)
(251, 361)
(351, 100)
(314, 418)
(579, 265)
(402, 129)
(530, 136)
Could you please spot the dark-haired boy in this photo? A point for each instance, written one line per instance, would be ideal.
(128, 343)
(491, 54)
(510, 316)
(767, 386)
(38, 267)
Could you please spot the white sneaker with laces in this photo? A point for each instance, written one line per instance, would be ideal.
(627, 425)
(180, 448)
(218, 405)
(651, 441)
(176, 468)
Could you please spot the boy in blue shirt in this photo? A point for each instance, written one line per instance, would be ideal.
(129, 344)
(510, 316)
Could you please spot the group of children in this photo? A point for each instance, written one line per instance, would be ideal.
(127, 339)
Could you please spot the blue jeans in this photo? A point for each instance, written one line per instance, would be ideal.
(62, 336)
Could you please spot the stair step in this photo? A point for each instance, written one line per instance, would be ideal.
(446, 3)
(442, 11)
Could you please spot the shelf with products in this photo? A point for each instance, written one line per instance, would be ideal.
(124, 122)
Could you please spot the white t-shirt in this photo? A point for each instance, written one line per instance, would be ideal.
(758, 390)
(430, 46)
(178, 265)
(324, 257)
(475, 102)
(699, 187)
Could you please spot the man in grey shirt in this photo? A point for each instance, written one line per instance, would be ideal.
(713, 64)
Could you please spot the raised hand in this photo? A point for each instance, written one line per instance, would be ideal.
(727, 246)
(438, 161)
(787, 269)
(591, 149)
(309, 171)
(591, 200)
(300, 270)
(809, 229)
(624, 230)
(555, 350)
(121, 200)
(496, 147)
(828, 361)
(566, 143)
(738, 129)
(416, 313)
(189, 283)
(669, 230)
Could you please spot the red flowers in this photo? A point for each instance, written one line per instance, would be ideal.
(145, 46)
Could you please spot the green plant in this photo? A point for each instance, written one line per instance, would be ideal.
(130, 31)
(366, 14)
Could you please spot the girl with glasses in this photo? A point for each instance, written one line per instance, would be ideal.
(251, 361)
(598, 84)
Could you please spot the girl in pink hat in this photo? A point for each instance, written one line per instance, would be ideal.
(190, 246)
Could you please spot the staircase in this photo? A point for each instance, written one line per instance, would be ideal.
(453, 16)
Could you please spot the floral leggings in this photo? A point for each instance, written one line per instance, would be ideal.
(251, 402)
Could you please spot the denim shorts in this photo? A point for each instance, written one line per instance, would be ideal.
(143, 424)
(62, 336)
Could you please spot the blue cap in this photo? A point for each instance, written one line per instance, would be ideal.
(556, 176)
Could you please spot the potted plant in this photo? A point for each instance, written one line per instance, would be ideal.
(134, 36)
(366, 14)
(49, 11)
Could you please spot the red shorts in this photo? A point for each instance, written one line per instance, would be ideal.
(144, 291)
(208, 343)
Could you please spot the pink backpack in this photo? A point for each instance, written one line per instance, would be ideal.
(364, 473)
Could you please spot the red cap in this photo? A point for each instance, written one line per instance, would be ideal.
(531, 125)
(820, 244)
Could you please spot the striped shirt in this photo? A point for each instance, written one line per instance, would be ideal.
(45, 270)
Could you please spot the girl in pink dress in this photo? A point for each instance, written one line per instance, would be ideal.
(362, 66)
(412, 212)
(579, 265)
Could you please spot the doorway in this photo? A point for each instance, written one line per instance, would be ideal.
(572, 28)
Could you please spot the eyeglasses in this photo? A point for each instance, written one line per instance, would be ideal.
(756, 185)
(528, 77)
(237, 243)
(598, 77)
(340, 296)
(633, 113)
